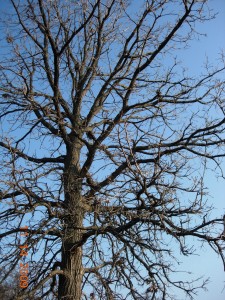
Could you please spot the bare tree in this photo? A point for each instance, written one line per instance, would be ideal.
(104, 145)
(10, 289)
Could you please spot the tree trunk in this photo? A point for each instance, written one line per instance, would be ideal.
(70, 285)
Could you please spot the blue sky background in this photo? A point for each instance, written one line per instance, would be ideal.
(207, 263)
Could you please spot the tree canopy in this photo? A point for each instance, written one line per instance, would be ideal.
(105, 140)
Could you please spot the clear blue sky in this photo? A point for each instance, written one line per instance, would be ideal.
(207, 263)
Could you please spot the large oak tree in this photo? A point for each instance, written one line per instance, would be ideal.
(104, 145)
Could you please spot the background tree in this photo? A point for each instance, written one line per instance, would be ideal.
(104, 146)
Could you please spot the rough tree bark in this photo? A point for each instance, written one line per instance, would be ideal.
(71, 263)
